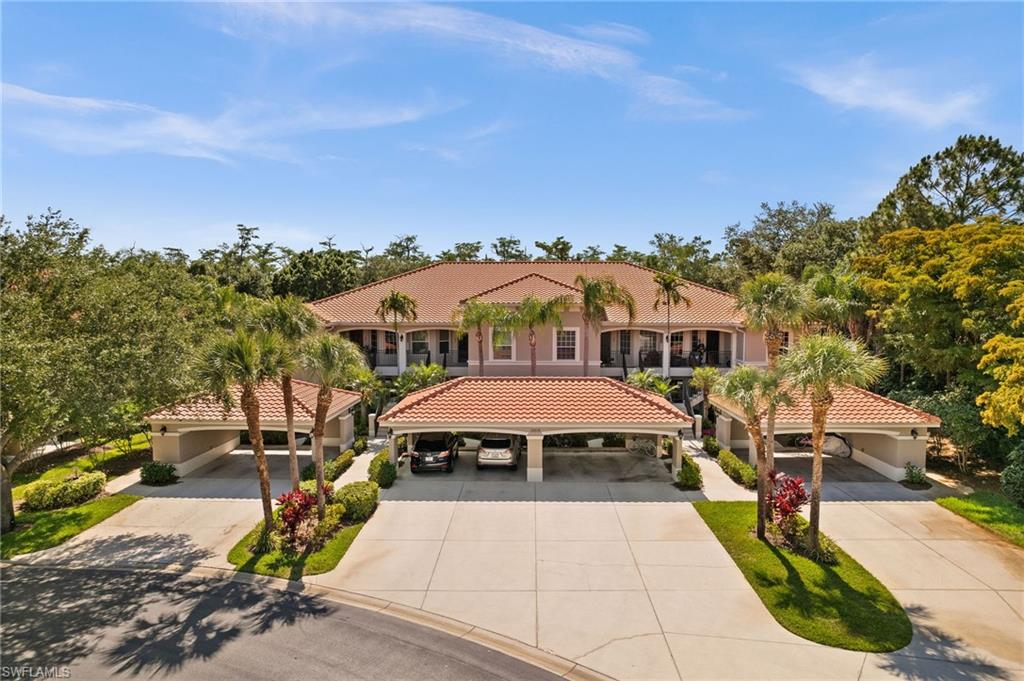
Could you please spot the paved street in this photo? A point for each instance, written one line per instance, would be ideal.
(110, 623)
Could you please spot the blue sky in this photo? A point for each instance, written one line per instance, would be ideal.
(162, 124)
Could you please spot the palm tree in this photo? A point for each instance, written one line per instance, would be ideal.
(396, 305)
(705, 379)
(292, 321)
(836, 300)
(645, 379)
(597, 294)
(367, 383)
(754, 391)
(332, 361)
(668, 294)
(773, 303)
(472, 316)
(534, 312)
(820, 365)
(245, 359)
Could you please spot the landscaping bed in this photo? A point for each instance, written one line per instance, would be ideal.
(841, 605)
(109, 460)
(992, 510)
(39, 530)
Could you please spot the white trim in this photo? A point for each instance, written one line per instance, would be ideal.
(877, 465)
(577, 357)
(490, 346)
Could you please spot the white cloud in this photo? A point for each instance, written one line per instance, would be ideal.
(504, 38)
(101, 126)
(862, 84)
(693, 70)
(612, 32)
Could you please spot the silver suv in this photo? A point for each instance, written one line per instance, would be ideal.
(499, 450)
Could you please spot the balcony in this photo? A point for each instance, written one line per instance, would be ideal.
(712, 358)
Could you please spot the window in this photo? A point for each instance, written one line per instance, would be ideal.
(677, 343)
(390, 343)
(444, 342)
(625, 342)
(648, 341)
(419, 342)
(501, 344)
(565, 344)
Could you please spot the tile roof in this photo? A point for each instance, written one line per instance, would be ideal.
(535, 399)
(210, 408)
(439, 289)
(533, 284)
(852, 406)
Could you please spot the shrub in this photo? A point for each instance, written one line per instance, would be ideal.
(359, 446)
(739, 471)
(334, 517)
(711, 446)
(332, 469)
(787, 497)
(362, 428)
(309, 487)
(400, 443)
(914, 475)
(295, 511)
(359, 499)
(1012, 478)
(158, 473)
(46, 494)
(614, 440)
(382, 471)
(689, 476)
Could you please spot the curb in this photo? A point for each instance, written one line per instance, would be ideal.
(560, 666)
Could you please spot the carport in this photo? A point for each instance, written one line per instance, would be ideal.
(194, 432)
(535, 406)
(884, 434)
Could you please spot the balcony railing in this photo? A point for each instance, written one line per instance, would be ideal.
(711, 358)
(386, 359)
(618, 360)
(417, 357)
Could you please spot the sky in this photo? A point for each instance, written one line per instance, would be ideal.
(166, 124)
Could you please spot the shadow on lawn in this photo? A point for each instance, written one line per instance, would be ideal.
(129, 549)
(139, 622)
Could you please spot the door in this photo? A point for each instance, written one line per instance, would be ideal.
(606, 349)
(464, 349)
(712, 344)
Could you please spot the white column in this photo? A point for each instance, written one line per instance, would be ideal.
(659, 442)
(732, 354)
(393, 449)
(677, 455)
(371, 426)
(723, 431)
(698, 423)
(666, 360)
(401, 351)
(534, 458)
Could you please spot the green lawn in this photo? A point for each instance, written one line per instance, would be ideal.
(842, 605)
(992, 510)
(42, 529)
(112, 461)
(292, 565)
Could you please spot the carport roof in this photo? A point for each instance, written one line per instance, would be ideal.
(536, 402)
(211, 408)
(851, 406)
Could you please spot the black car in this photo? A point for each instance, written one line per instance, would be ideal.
(434, 451)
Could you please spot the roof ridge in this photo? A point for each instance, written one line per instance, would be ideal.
(664, 404)
(385, 279)
(419, 395)
(889, 400)
(518, 279)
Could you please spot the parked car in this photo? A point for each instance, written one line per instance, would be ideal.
(499, 450)
(434, 451)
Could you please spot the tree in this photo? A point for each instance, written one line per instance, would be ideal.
(292, 321)
(246, 265)
(559, 249)
(401, 255)
(332, 361)
(597, 294)
(1003, 404)
(533, 312)
(418, 377)
(819, 365)
(667, 291)
(836, 301)
(245, 359)
(318, 274)
(691, 259)
(705, 379)
(396, 305)
(645, 379)
(367, 383)
(462, 251)
(756, 392)
(473, 316)
(509, 248)
(592, 253)
(773, 304)
(975, 177)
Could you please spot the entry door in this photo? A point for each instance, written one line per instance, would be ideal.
(464, 349)
(606, 348)
(711, 343)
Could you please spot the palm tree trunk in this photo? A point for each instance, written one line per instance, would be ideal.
(323, 403)
(773, 345)
(533, 352)
(251, 407)
(586, 346)
(762, 481)
(480, 348)
(819, 412)
(769, 449)
(289, 419)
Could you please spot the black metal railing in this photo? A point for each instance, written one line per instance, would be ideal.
(386, 359)
(417, 357)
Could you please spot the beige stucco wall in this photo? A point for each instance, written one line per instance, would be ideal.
(893, 453)
(193, 449)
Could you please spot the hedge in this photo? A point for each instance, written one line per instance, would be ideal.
(46, 494)
(359, 499)
(332, 469)
(689, 476)
(711, 446)
(739, 471)
(382, 471)
(359, 445)
(158, 473)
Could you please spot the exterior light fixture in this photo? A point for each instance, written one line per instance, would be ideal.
(913, 433)
(163, 430)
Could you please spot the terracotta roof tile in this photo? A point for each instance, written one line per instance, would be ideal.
(537, 399)
(533, 284)
(210, 408)
(439, 289)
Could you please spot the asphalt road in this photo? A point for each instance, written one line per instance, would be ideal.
(105, 623)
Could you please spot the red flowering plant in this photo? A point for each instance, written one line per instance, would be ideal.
(296, 510)
(787, 497)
